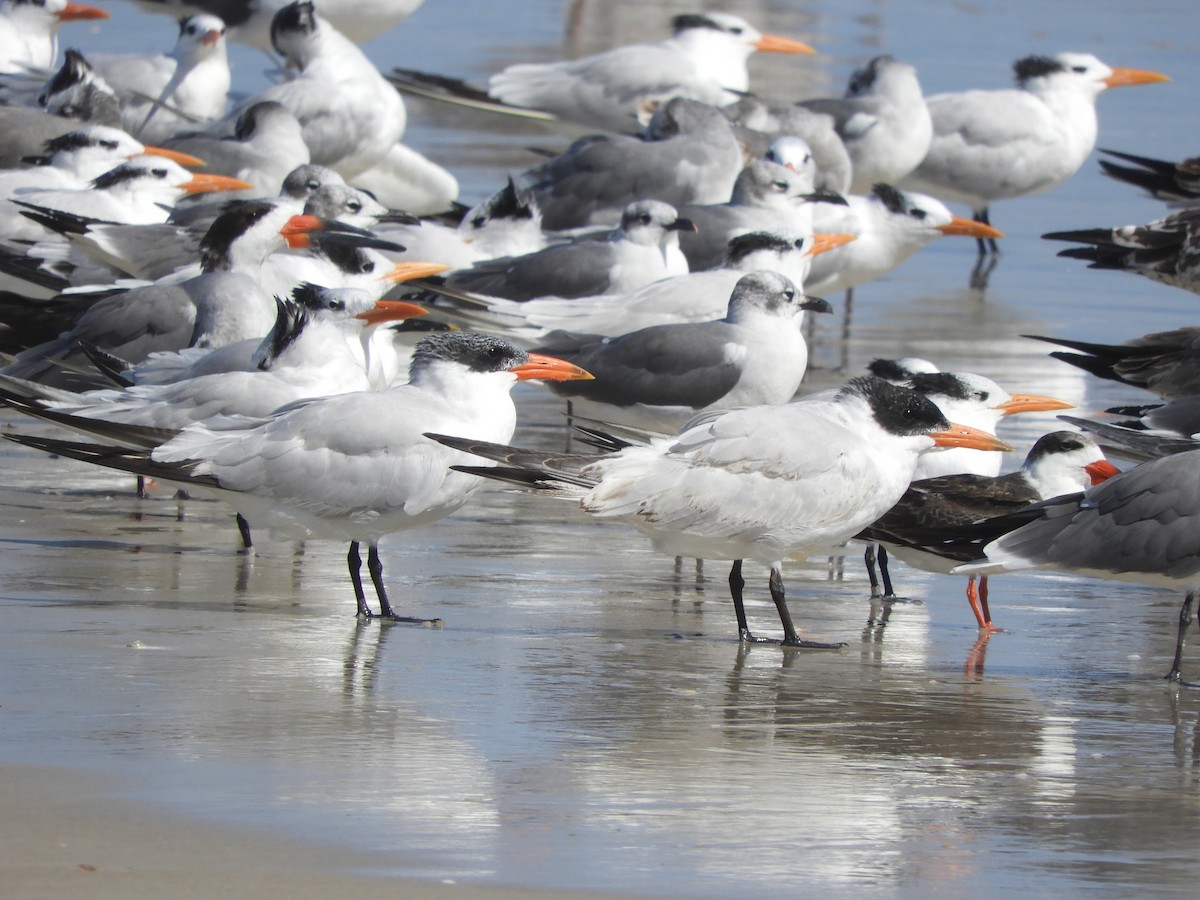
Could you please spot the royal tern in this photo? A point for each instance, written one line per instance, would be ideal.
(1137, 526)
(1166, 250)
(642, 249)
(355, 467)
(888, 226)
(694, 297)
(29, 30)
(994, 145)
(223, 304)
(1166, 363)
(704, 59)
(249, 21)
(767, 196)
(183, 90)
(925, 527)
(882, 120)
(689, 155)
(1178, 183)
(766, 483)
(657, 378)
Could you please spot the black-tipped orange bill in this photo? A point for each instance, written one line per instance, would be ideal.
(773, 43)
(966, 436)
(550, 368)
(202, 183)
(823, 242)
(1101, 470)
(391, 311)
(1023, 403)
(1127, 77)
(969, 228)
(184, 159)
(79, 12)
(407, 271)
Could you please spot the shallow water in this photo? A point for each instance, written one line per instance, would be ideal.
(587, 719)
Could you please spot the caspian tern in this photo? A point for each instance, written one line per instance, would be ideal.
(657, 378)
(882, 120)
(1137, 526)
(315, 469)
(994, 145)
(766, 483)
(925, 527)
(1166, 250)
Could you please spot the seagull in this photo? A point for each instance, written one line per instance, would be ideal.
(925, 526)
(767, 196)
(163, 94)
(1166, 363)
(765, 483)
(759, 123)
(688, 155)
(1166, 250)
(642, 249)
(29, 30)
(704, 59)
(1137, 526)
(994, 145)
(882, 120)
(888, 226)
(1177, 183)
(355, 467)
(659, 377)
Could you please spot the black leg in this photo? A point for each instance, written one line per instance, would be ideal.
(375, 567)
(886, 574)
(790, 638)
(736, 585)
(1185, 621)
(244, 531)
(986, 245)
(869, 562)
(354, 561)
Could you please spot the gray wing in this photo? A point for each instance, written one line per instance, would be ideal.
(568, 270)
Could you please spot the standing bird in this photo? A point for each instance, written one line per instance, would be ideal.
(766, 483)
(1137, 526)
(994, 145)
(925, 528)
(355, 467)
(704, 59)
(882, 120)
(659, 377)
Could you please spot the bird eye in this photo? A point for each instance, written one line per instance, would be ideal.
(109, 145)
(644, 218)
(368, 266)
(159, 173)
(312, 184)
(779, 185)
(736, 30)
(337, 305)
(1079, 69)
(918, 214)
(478, 222)
(981, 396)
(789, 296)
(354, 206)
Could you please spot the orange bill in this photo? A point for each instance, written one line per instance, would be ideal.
(203, 184)
(391, 311)
(78, 12)
(1126, 77)
(1022, 403)
(184, 159)
(550, 368)
(773, 43)
(969, 228)
(298, 229)
(823, 242)
(407, 271)
(966, 436)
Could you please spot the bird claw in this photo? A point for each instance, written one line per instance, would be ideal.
(814, 645)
